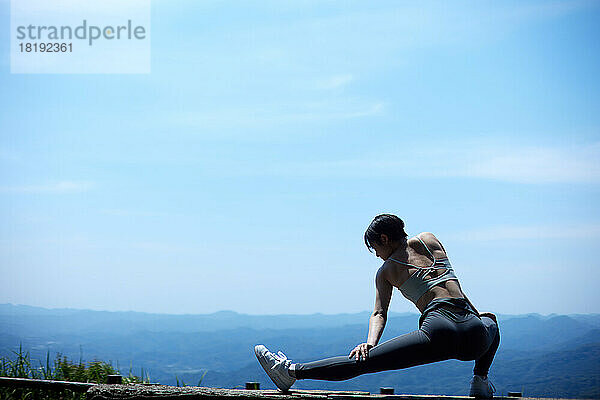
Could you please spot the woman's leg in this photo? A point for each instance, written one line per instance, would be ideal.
(432, 342)
(483, 363)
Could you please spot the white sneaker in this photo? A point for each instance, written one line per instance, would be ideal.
(276, 366)
(481, 387)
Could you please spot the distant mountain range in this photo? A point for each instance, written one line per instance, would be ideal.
(543, 356)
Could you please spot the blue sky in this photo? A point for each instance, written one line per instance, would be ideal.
(241, 173)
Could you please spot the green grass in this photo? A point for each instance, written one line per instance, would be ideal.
(59, 369)
(182, 383)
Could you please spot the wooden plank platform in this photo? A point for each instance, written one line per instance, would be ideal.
(161, 392)
(44, 384)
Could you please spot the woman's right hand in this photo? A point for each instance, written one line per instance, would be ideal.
(361, 351)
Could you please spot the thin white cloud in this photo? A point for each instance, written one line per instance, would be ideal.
(117, 212)
(274, 114)
(577, 164)
(62, 187)
(528, 232)
(336, 81)
(531, 165)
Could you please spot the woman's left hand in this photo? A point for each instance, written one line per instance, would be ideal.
(360, 351)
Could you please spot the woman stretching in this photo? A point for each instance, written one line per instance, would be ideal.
(449, 327)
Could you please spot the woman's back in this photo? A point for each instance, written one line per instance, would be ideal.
(422, 266)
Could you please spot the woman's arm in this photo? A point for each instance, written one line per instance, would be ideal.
(383, 295)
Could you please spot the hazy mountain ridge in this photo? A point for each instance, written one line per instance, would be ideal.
(544, 355)
(23, 317)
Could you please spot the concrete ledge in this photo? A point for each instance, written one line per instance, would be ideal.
(161, 392)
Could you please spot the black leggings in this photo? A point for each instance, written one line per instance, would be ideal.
(442, 335)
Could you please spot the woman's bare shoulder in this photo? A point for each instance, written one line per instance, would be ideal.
(432, 242)
(424, 236)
